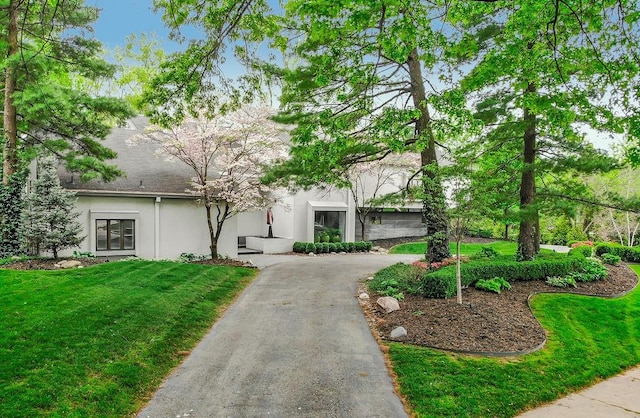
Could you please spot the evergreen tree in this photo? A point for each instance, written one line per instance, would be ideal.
(49, 221)
(12, 204)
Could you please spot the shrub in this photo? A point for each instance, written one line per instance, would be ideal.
(493, 285)
(361, 246)
(299, 247)
(612, 259)
(581, 248)
(442, 283)
(310, 248)
(333, 247)
(351, 247)
(557, 281)
(487, 252)
(590, 271)
(406, 277)
(630, 254)
(368, 245)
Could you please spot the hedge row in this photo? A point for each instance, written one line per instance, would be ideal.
(331, 247)
(442, 283)
(631, 254)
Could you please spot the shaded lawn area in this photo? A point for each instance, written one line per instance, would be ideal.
(503, 247)
(589, 339)
(98, 341)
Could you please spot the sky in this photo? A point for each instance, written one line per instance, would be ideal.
(120, 18)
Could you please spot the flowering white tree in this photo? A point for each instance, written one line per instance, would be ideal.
(228, 155)
(375, 182)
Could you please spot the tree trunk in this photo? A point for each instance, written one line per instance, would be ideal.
(213, 238)
(434, 207)
(458, 273)
(506, 232)
(10, 142)
(528, 233)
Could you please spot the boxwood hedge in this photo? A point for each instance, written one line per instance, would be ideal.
(631, 254)
(328, 247)
(442, 283)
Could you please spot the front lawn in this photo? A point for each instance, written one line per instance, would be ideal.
(98, 341)
(589, 339)
(503, 247)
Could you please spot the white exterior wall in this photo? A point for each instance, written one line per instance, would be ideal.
(164, 227)
(252, 223)
(306, 202)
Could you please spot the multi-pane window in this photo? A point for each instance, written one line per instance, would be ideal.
(115, 234)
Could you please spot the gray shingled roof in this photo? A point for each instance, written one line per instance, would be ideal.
(146, 174)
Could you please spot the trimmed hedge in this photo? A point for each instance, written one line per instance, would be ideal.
(329, 247)
(631, 254)
(584, 250)
(442, 283)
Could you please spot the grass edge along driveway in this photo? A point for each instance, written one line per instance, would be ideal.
(98, 341)
(589, 339)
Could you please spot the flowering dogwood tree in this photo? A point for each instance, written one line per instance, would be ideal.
(228, 155)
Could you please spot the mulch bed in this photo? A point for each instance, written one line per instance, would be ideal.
(49, 263)
(485, 322)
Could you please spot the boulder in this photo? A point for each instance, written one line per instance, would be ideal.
(68, 264)
(363, 295)
(388, 304)
(398, 333)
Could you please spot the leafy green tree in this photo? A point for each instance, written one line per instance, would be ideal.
(49, 222)
(546, 70)
(46, 50)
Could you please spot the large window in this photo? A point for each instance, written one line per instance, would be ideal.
(115, 234)
(329, 225)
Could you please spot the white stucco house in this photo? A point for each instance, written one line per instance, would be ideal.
(149, 214)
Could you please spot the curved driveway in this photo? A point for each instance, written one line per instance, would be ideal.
(294, 344)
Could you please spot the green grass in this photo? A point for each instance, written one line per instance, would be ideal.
(589, 339)
(503, 247)
(97, 341)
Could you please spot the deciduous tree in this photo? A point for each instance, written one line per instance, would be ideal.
(228, 156)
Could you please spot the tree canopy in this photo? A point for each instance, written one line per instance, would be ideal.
(46, 48)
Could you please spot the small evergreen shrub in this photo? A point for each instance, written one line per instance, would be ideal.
(310, 248)
(333, 247)
(299, 247)
(493, 285)
(585, 250)
(611, 259)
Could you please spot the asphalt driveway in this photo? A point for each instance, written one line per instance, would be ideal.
(294, 344)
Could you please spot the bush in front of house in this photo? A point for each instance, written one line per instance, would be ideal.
(331, 247)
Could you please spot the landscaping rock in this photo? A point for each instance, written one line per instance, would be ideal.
(363, 295)
(370, 278)
(68, 264)
(398, 333)
(312, 255)
(388, 304)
